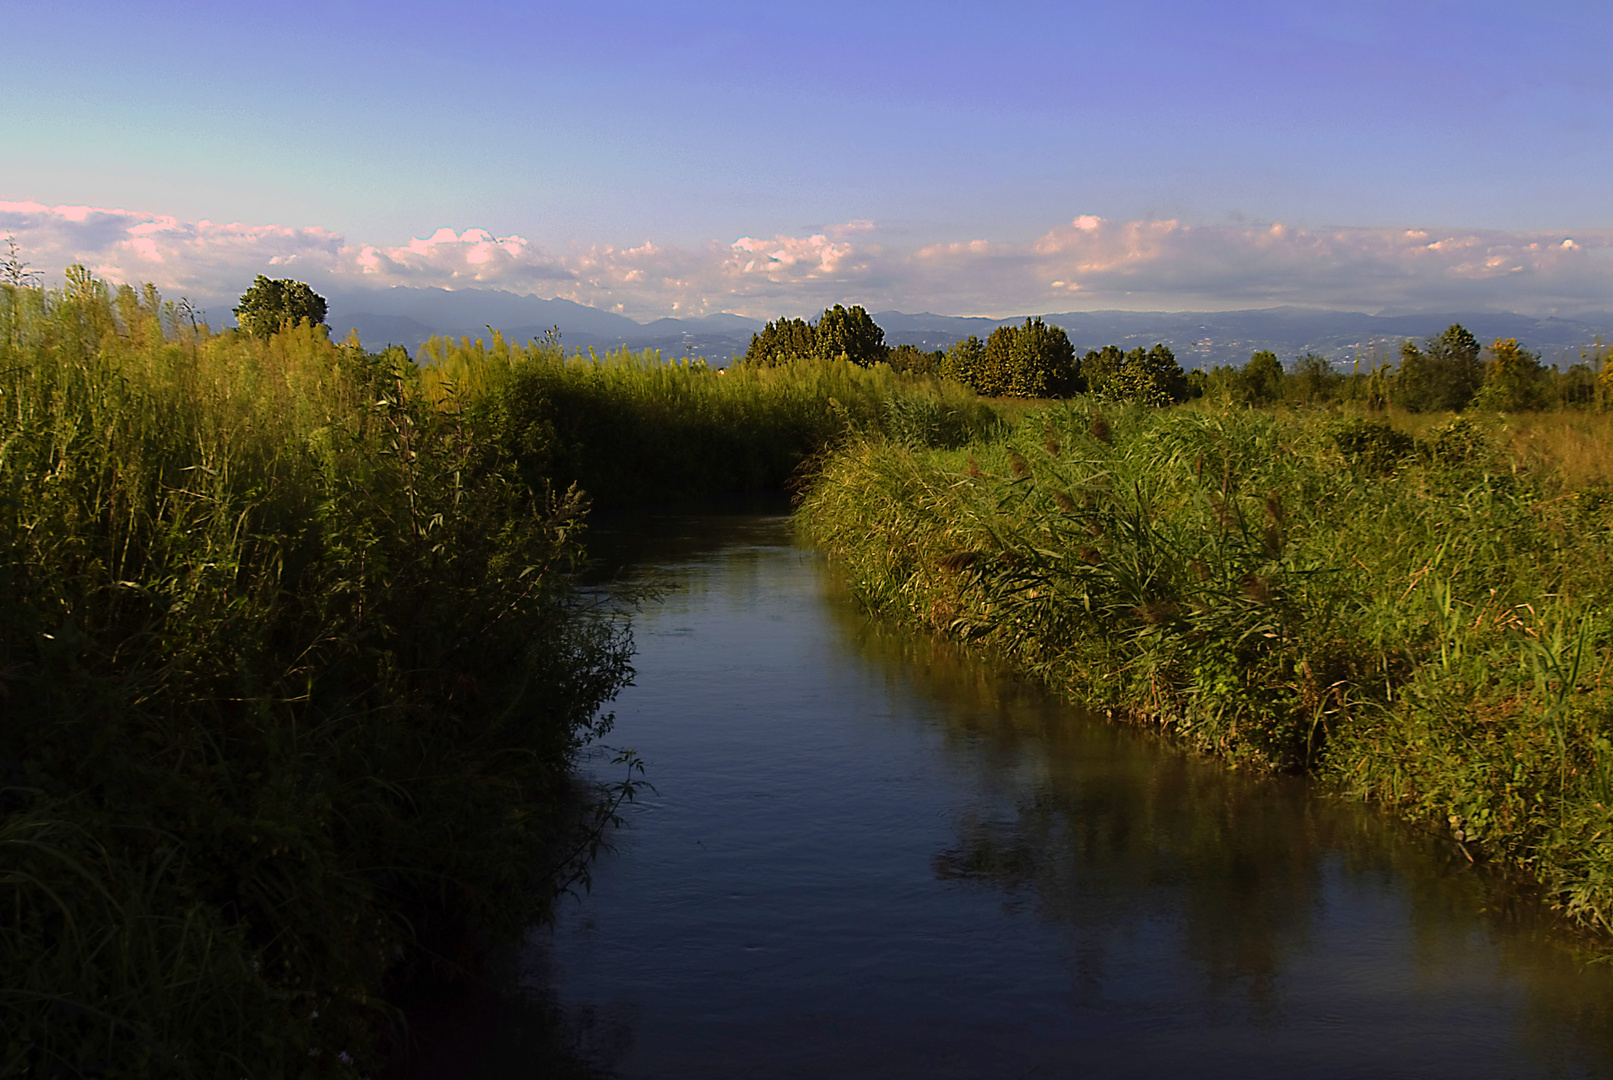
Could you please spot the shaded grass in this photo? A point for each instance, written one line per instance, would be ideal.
(628, 428)
(1423, 622)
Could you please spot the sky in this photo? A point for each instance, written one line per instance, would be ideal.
(970, 159)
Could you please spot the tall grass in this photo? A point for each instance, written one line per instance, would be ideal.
(291, 676)
(1419, 621)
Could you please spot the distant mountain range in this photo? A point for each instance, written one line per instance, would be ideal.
(407, 317)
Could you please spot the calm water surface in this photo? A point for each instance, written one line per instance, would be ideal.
(872, 857)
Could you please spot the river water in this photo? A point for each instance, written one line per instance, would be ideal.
(870, 856)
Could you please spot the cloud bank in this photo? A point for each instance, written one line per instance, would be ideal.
(1087, 264)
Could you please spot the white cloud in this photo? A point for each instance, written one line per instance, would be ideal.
(1088, 263)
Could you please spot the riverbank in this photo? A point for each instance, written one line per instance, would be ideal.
(1421, 621)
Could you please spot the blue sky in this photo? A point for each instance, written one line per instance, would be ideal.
(937, 150)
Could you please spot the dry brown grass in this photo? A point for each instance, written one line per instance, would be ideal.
(1574, 449)
(1565, 448)
(1569, 449)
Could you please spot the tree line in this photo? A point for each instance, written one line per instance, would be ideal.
(1448, 372)
(1032, 359)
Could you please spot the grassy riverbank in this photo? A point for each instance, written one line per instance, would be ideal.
(1418, 620)
(291, 666)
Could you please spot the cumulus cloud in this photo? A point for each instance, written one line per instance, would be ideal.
(1088, 263)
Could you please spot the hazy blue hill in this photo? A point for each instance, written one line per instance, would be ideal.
(1204, 339)
(451, 308)
(930, 331)
(404, 316)
(378, 330)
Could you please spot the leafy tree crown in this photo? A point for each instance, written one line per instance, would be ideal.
(851, 333)
(272, 303)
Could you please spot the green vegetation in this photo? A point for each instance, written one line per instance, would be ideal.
(1034, 360)
(1444, 377)
(1447, 373)
(294, 673)
(1147, 376)
(292, 668)
(1420, 619)
(271, 305)
(628, 428)
(292, 677)
(840, 333)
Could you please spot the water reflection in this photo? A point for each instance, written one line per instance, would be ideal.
(870, 856)
(1119, 838)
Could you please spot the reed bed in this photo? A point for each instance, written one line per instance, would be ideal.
(629, 428)
(1419, 620)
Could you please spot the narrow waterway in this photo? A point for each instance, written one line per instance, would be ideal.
(870, 856)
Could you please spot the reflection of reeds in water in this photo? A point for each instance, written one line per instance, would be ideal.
(1113, 831)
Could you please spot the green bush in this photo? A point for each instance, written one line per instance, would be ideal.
(1372, 446)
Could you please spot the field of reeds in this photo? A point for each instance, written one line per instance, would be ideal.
(292, 669)
(629, 428)
(1415, 614)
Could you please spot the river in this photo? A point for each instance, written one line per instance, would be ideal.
(868, 855)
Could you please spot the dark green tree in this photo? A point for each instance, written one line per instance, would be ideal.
(912, 360)
(1574, 388)
(1513, 379)
(1033, 360)
(851, 334)
(1151, 376)
(1262, 378)
(1099, 368)
(1312, 380)
(1041, 361)
(1456, 367)
(1414, 388)
(270, 305)
(1444, 374)
(782, 340)
(962, 361)
(994, 376)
